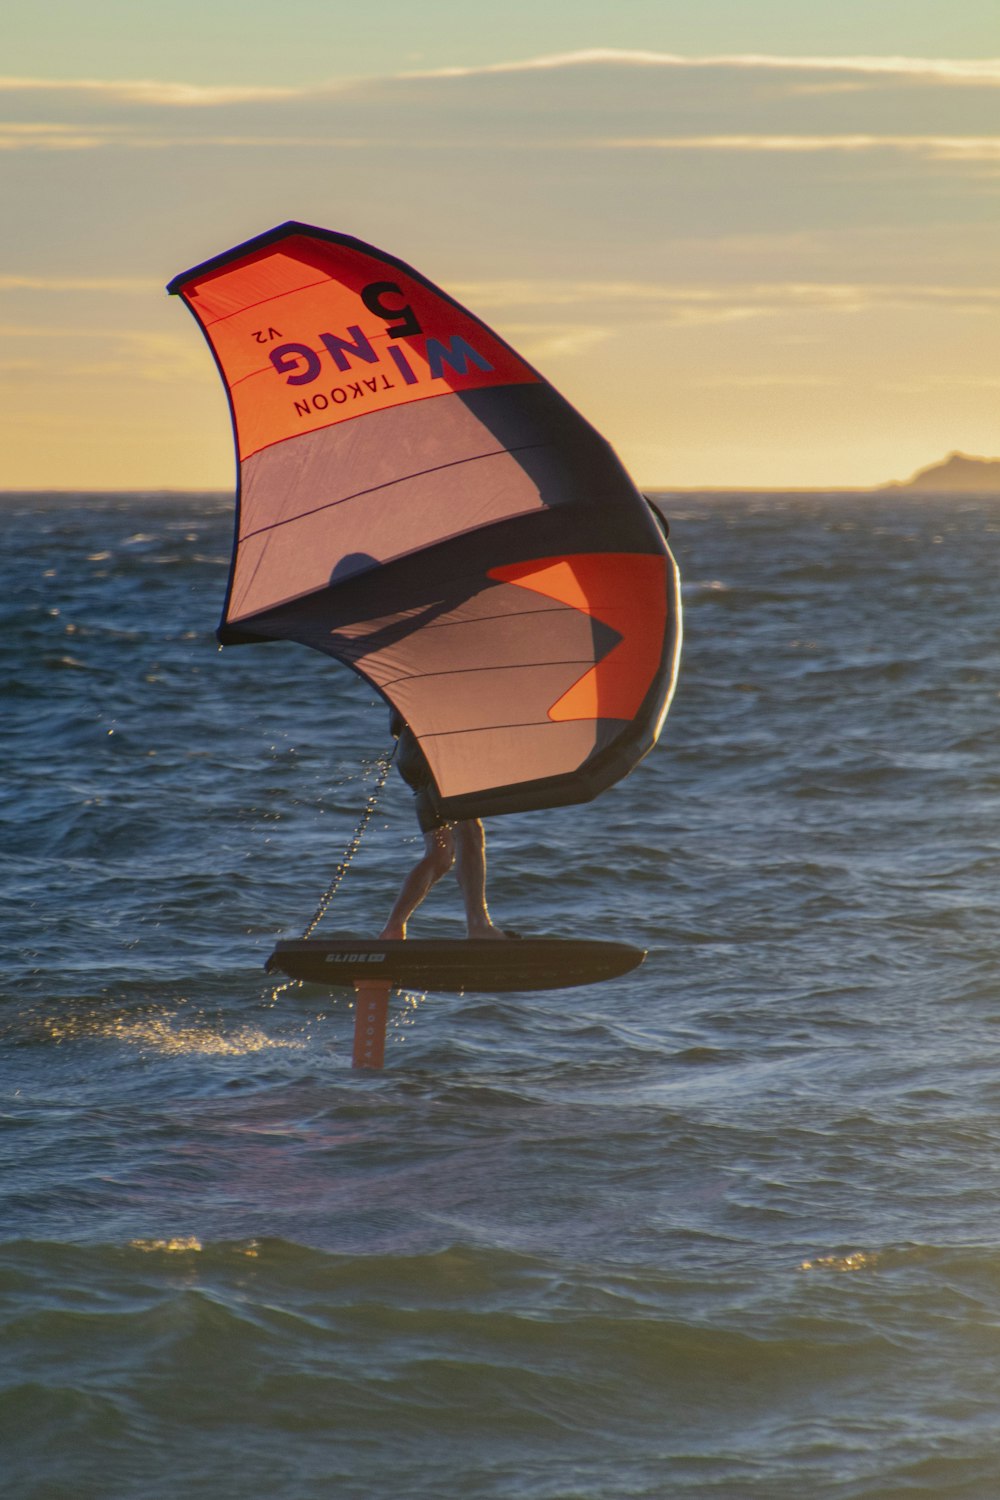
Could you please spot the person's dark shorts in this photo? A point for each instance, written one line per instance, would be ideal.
(411, 763)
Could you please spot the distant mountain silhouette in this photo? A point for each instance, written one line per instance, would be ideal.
(958, 474)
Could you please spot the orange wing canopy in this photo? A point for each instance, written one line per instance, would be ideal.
(416, 501)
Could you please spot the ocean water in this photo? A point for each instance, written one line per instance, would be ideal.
(726, 1227)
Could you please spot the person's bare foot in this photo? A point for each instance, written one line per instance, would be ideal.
(392, 934)
(491, 931)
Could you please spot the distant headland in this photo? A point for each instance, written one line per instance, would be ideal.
(958, 474)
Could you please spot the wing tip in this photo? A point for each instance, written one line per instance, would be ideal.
(247, 247)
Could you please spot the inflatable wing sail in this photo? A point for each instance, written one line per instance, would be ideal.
(416, 501)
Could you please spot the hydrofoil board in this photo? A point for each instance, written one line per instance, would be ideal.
(456, 964)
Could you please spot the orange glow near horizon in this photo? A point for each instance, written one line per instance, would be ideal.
(727, 313)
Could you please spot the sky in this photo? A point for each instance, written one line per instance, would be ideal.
(755, 244)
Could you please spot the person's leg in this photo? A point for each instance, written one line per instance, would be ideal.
(438, 858)
(470, 869)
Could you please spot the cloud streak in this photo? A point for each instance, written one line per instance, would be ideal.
(948, 70)
(583, 101)
(959, 72)
(149, 91)
(131, 284)
(49, 136)
(935, 147)
(52, 136)
(626, 298)
(763, 296)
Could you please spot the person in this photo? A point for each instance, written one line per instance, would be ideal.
(461, 845)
